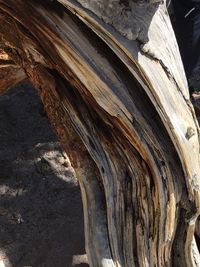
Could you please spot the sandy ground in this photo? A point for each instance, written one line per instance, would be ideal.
(41, 218)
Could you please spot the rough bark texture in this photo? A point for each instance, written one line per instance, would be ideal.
(111, 79)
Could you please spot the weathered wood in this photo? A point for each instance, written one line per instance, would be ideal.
(10, 74)
(110, 76)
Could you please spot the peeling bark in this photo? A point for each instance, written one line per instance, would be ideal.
(117, 97)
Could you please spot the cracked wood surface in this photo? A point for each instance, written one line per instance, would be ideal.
(117, 98)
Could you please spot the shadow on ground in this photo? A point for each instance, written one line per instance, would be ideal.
(41, 218)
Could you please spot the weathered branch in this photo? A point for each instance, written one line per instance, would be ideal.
(117, 97)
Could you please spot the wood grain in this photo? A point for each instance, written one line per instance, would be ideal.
(118, 100)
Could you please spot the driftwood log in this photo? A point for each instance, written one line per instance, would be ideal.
(112, 82)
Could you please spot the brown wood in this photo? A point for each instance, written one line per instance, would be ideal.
(10, 74)
(111, 79)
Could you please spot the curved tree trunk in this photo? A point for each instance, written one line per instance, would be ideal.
(111, 79)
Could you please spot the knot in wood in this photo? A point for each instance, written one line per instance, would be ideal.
(190, 132)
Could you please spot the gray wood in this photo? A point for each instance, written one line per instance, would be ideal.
(111, 79)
